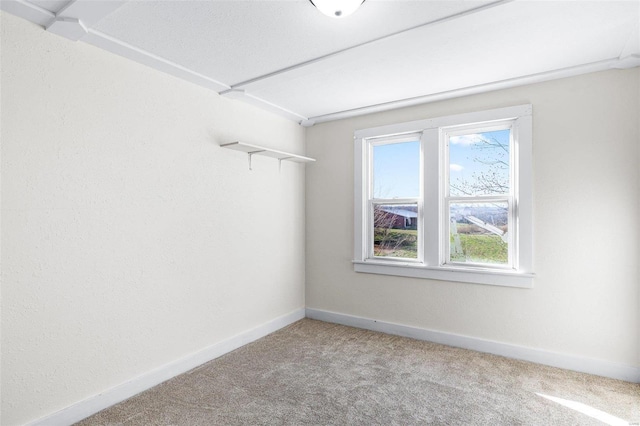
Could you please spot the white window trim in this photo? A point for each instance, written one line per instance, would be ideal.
(431, 266)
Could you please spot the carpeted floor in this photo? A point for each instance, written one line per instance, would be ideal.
(315, 373)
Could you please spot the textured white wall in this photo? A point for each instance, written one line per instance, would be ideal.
(586, 197)
(129, 238)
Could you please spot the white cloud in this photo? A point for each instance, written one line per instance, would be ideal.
(466, 140)
(456, 167)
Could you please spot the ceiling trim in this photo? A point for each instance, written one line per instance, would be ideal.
(90, 12)
(144, 57)
(630, 61)
(259, 102)
(28, 11)
(473, 90)
(74, 21)
(81, 14)
(444, 19)
(71, 28)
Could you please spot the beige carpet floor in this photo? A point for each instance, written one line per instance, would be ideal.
(315, 373)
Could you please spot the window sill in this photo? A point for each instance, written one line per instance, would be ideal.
(488, 277)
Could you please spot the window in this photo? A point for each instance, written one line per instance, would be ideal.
(447, 198)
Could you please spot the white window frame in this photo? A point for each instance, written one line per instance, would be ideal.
(433, 253)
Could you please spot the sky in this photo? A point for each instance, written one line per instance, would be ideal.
(467, 153)
(397, 166)
(396, 170)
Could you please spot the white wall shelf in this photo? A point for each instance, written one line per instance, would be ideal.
(267, 152)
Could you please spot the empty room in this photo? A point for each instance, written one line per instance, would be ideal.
(325, 212)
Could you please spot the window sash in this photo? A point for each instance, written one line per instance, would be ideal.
(445, 135)
(368, 233)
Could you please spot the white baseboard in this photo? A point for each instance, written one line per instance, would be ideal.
(569, 362)
(109, 397)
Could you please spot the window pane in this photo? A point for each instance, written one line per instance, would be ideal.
(395, 230)
(478, 232)
(396, 170)
(479, 163)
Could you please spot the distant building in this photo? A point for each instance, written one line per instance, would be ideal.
(396, 218)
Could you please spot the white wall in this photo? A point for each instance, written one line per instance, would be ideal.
(586, 198)
(129, 237)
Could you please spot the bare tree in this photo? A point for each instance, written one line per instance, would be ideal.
(491, 180)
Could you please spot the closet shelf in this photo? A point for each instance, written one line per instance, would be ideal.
(267, 152)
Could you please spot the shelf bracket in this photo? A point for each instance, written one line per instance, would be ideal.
(280, 162)
(250, 154)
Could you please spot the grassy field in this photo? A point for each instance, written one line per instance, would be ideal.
(396, 243)
(482, 249)
(475, 247)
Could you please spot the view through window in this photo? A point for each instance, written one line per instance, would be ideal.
(396, 193)
(478, 196)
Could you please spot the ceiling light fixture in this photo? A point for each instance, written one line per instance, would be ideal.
(337, 8)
